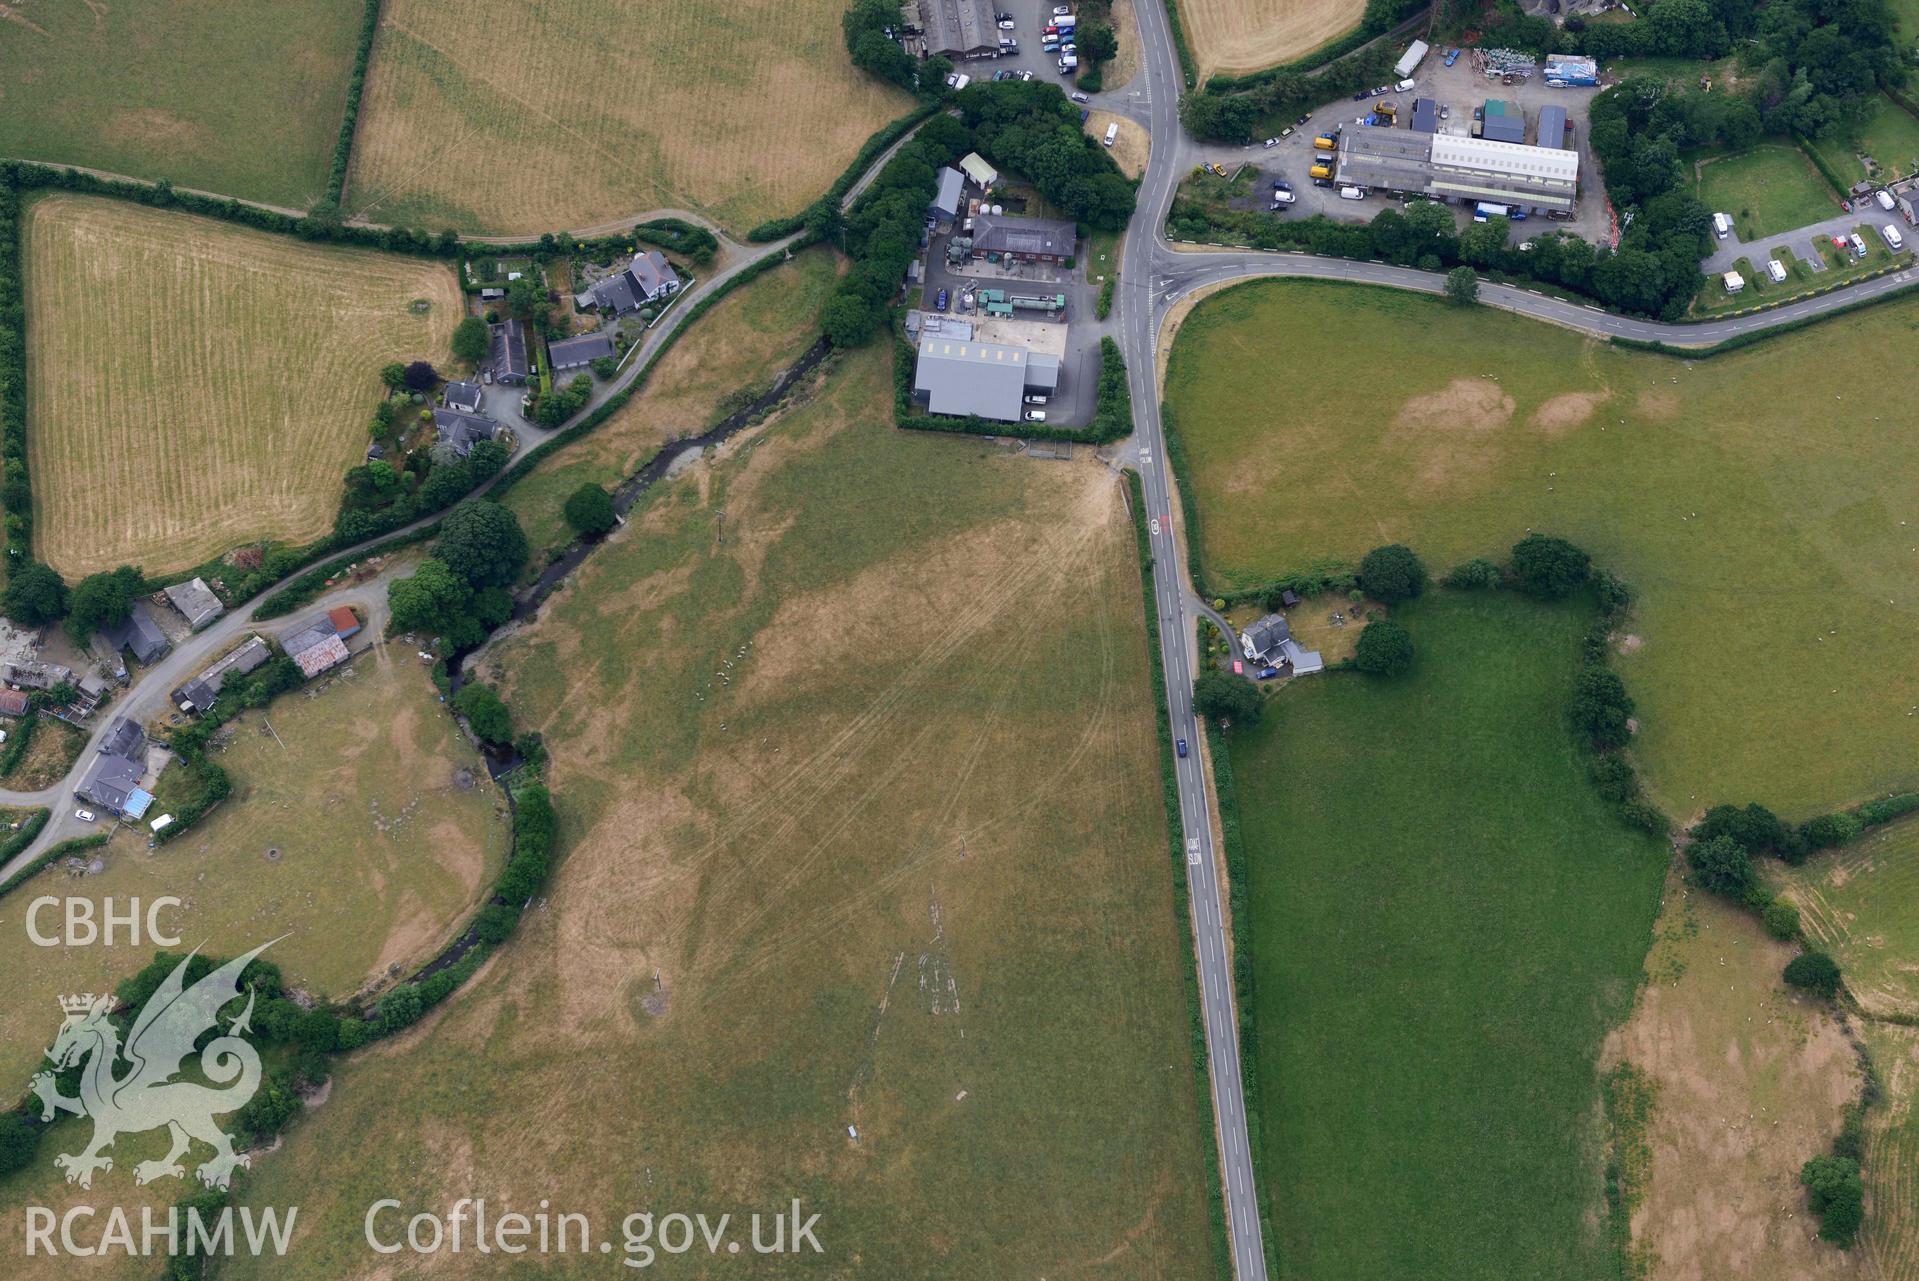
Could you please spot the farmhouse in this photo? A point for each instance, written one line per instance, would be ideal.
(648, 278)
(578, 353)
(197, 695)
(138, 633)
(112, 781)
(1270, 641)
(316, 647)
(1023, 239)
(196, 602)
(1462, 170)
(462, 431)
(987, 380)
(508, 359)
(464, 397)
(959, 28)
(977, 171)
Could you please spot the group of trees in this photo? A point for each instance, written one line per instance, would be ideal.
(872, 42)
(36, 595)
(1029, 128)
(1392, 574)
(554, 407)
(460, 592)
(589, 510)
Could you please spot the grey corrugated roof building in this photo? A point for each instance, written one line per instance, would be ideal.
(988, 380)
(1552, 126)
(1425, 116)
(946, 204)
(196, 602)
(1504, 121)
(462, 431)
(138, 633)
(197, 695)
(578, 353)
(959, 28)
(509, 360)
(1048, 238)
(316, 646)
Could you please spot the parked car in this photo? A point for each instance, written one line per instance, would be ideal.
(85, 816)
(1272, 142)
(939, 303)
(1036, 415)
(1002, 75)
(1024, 75)
(1084, 115)
(1404, 86)
(1267, 673)
(1036, 400)
(1005, 24)
(1008, 45)
(1287, 132)
(1182, 748)
(1062, 11)
(1361, 96)
(1080, 97)
(1322, 182)
(1302, 120)
(1445, 113)
(1352, 193)
(1283, 194)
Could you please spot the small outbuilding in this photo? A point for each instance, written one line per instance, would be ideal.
(578, 353)
(464, 397)
(196, 602)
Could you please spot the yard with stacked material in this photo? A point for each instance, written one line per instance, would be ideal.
(1233, 37)
(606, 114)
(861, 826)
(1758, 502)
(243, 98)
(1445, 921)
(735, 350)
(197, 385)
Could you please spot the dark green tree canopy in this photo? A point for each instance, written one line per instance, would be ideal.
(103, 600)
(484, 712)
(1385, 648)
(1392, 573)
(1722, 866)
(470, 340)
(1549, 567)
(1815, 972)
(1223, 696)
(35, 595)
(482, 542)
(589, 510)
(1462, 285)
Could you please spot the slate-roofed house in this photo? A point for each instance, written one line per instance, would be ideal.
(315, 647)
(138, 633)
(508, 358)
(124, 737)
(464, 397)
(648, 278)
(654, 276)
(1262, 640)
(578, 353)
(112, 781)
(196, 602)
(462, 431)
(1027, 239)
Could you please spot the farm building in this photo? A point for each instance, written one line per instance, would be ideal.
(345, 621)
(946, 204)
(316, 647)
(42, 676)
(13, 703)
(959, 28)
(138, 633)
(1552, 126)
(1504, 122)
(196, 602)
(462, 431)
(197, 695)
(508, 359)
(648, 278)
(1270, 641)
(977, 171)
(578, 353)
(1461, 170)
(1425, 116)
(977, 378)
(112, 781)
(1026, 239)
(464, 397)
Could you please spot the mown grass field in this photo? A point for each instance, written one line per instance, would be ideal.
(1890, 1242)
(347, 831)
(1233, 37)
(1891, 137)
(892, 840)
(1767, 190)
(243, 98)
(1754, 501)
(741, 344)
(1861, 903)
(197, 385)
(1446, 920)
(742, 112)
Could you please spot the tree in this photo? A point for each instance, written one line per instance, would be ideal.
(1721, 865)
(485, 460)
(1815, 972)
(524, 299)
(1601, 708)
(1837, 1196)
(1755, 827)
(102, 600)
(1385, 648)
(1392, 574)
(1549, 567)
(484, 712)
(1476, 574)
(35, 595)
(421, 376)
(482, 542)
(1097, 44)
(589, 510)
(1462, 285)
(848, 320)
(430, 601)
(1781, 920)
(393, 375)
(604, 368)
(1228, 698)
(470, 340)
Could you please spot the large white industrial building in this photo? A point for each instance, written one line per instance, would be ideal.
(1460, 169)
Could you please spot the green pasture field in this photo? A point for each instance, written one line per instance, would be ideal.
(1446, 921)
(243, 98)
(1767, 190)
(1755, 501)
(1890, 137)
(852, 835)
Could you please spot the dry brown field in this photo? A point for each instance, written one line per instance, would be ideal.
(1234, 37)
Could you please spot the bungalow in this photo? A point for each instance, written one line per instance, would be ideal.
(197, 695)
(648, 278)
(578, 353)
(464, 397)
(462, 431)
(196, 602)
(316, 647)
(139, 633)
(508, 359)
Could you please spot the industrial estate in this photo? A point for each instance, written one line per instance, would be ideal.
(647, 638)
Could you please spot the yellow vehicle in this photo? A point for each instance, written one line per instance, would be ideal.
(1386, 111)
(1322, 170)
(1323, 143)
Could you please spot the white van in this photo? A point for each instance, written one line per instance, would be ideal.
(1721, 225)
(1352, 193)
(1112, 133)
(1894, 241)
(1885, 200)
(1776, 270)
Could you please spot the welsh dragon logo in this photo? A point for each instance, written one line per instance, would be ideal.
(147, 1095)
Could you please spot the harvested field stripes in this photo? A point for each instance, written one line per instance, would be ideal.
(1890, 1243)
(1861, 904)
(692, 107)
(196, 386)
(1235, 37)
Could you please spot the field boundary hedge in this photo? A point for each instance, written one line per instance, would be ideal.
(884, 137)
(343, 148)
(1187, 66)
(1182, 900)
(17, 478)
(51, 855)
(1773, 331)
